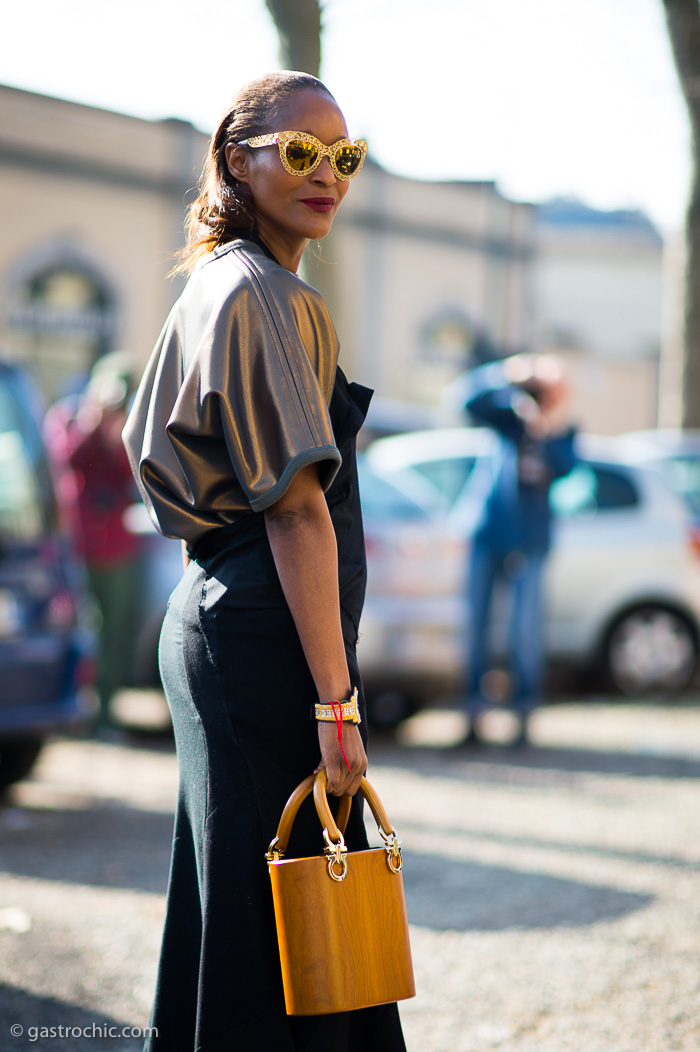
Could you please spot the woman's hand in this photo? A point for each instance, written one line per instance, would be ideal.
(340, 780)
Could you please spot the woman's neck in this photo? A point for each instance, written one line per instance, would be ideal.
(287, 249)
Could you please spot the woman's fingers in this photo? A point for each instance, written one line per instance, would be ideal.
(341, 780)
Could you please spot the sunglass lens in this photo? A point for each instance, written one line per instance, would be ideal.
(300, 155)
(347, 159)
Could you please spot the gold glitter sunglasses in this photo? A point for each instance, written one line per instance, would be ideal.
(301, 153)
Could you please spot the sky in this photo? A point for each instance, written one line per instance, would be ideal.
(546, 97)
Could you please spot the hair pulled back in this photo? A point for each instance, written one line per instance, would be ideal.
(224, 209)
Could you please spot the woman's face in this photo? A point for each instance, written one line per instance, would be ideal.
(291, 209)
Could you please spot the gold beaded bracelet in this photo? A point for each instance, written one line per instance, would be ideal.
(350, 709)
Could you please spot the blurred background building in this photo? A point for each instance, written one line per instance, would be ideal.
(436, 275)
(93, 211)
(598, 290)
(428, 277)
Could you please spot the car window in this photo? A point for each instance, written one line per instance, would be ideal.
(382, 500)
(615, 489)
(591, 489)
(683, 473)
(25, 506)
(447, 474)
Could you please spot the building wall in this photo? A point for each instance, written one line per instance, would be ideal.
(95, 194)
(422, 278)
(611, 396)
(416, 270)
(671, 369)
(599, 288)
(415, 273)
(427, 269)
(603, 295)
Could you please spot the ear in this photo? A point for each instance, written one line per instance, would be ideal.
(237, 161)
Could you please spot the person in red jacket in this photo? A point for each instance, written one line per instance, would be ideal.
(104, 488)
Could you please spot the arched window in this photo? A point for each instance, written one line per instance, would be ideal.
(61, 317)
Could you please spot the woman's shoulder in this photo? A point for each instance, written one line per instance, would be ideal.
(275, 287)
(238, 290)
(241, 266)
(239, 280)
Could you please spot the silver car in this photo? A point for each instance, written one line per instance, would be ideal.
(623, 578)
(676, 454)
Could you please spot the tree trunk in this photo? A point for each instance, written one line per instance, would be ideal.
(298, 25)
(683, 21)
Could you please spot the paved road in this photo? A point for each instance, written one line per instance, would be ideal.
(554, 891)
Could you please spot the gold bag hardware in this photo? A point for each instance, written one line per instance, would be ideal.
(341, 916)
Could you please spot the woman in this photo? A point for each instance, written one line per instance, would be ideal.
(242, 440)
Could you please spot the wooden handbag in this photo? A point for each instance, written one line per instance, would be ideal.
(341, 916)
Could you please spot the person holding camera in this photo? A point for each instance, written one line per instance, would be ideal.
(526, 399)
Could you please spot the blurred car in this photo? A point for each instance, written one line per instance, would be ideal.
(675, 453)
(623, 578)
(405, 545)
(46, 657)
(159, 570)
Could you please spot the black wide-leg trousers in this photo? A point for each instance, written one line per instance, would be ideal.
(240, 693)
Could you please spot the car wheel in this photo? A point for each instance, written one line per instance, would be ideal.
(17, 759)
(650, 649)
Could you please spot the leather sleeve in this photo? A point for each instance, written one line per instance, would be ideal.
(235, 399)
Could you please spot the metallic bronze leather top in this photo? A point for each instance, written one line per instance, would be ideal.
(234, 400)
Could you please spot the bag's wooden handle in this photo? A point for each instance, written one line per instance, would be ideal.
(324, 812)
(291, 809)
(335, 826)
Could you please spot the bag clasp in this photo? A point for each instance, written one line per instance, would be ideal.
(394, 859)
(273, 853)
(337, 856)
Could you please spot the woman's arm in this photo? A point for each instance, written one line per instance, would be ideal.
(303, 544)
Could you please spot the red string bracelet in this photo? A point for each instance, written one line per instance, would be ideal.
(339, 725)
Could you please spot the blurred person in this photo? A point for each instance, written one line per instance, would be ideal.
(55, 432)
(526, 399)
(87, 433)
(242, 440)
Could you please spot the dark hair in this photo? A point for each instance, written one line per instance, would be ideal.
(224, 207)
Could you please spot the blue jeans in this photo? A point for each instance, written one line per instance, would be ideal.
(522, 574)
